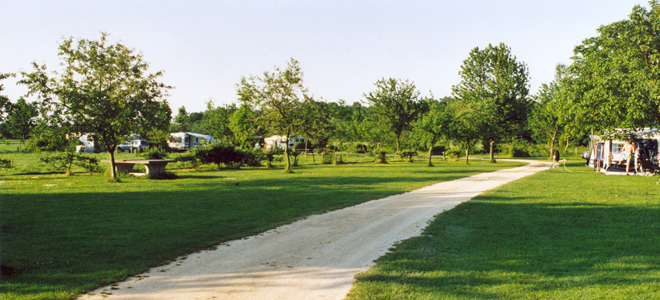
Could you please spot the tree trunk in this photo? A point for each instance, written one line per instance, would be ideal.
(467, 152)
(552, 143)
(398, 142)
(492, 154)
(113, 170)
(430, 154)
(286, 153)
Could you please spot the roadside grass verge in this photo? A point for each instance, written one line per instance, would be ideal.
(553, 235)
(65, 235)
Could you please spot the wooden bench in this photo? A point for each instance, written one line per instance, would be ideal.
(154, 167)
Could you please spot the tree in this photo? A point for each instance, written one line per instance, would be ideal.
(279, 95)
(216, 120)
(397, 102)
(103, 90)
(182, 120)
(544, 119)
(432, 125)
(21, 119)
(244, 126)
(493, 76)
(466, 125)
(614, 76)
(4, 100)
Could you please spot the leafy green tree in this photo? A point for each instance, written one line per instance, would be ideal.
(280, 96)
(614, 76)
(466, 125)
(4, 100)
(397, 103)
(216, 120)
(104, 90)
(243, 124)
(182, 121)
(544, 119)
(21, 119)
(493, 76)
(432, 126)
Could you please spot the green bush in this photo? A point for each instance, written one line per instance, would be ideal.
(327, 158)
(5, 163)
(454, 154)
(408, 155)
(380, 156)
(154, 153)
(66, 160)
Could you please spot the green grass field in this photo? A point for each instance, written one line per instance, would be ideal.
(554, 235)
(65, 235)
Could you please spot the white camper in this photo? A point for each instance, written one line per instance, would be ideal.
(607, 155)
(277, 141)
(184, 141)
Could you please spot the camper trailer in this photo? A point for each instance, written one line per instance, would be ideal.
(606, 154)
(184, 141)
(277, 141)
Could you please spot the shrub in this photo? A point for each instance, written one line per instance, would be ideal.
(454, 154)
(327, 158)
(154, 153)
(66, 160)
(252, 158)
(5, 163)
(409, 155)
(381, 157)
(337, 159)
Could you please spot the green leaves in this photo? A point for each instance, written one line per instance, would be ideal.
(614, 82)
(104, 90)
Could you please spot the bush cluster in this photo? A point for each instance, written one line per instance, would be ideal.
(222, 154)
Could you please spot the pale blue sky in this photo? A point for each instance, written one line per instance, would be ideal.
(343, 47)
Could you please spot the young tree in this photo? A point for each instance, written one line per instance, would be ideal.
(182, 120)
(4, 100)
(21, 119)
(493, 76)
(544, 119)
(397, 102)
(280, 96)
(104, 90)
(432, 125)
(243, 123)
(466, 125)
(216, 120)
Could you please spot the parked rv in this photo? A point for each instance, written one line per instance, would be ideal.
(607, 155)
(184, 141)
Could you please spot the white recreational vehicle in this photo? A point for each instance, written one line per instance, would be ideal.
(184, 141)
(606, 154)
(277, 141)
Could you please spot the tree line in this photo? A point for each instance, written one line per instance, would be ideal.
(106, 89)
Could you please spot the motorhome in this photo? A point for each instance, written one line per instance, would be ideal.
(184, 141)
(606, 154)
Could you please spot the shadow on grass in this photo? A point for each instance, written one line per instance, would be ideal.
(507, 245)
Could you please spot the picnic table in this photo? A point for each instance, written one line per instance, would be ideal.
(154, 167)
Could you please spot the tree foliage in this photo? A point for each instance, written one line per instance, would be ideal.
(104, 89)
(547, 110)
(432, 126)
(494, 77)
(397, 103)
(280, 95)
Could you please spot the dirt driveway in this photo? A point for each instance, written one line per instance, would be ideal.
(315, 258)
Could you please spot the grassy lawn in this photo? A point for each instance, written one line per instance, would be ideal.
(64, 235)
(553, 235)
